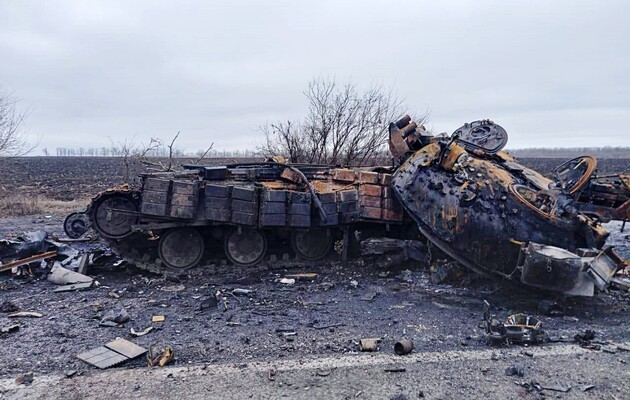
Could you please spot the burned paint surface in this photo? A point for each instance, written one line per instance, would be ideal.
(486, 211)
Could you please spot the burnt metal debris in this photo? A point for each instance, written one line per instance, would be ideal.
(460, 192)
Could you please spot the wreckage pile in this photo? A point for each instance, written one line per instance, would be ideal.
(462, 194)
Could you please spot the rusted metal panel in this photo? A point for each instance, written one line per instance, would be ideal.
(299, 220)
(183, 200)
(370, 212)
(151, 196)
(385, 179)
(241, 193)
(368, 177)
(330, 208)
(393, 215)
(269, 207)
(370, 201)
(218, 202)
(153, 209)
(182, 212)
(158, 185)
(217, 191)
(347, 195)
(274, 195)
(299, 197)
(299, 209)
(273, 219)
(348, 206)
(218, 214)
(249, 207)
(387, 192)
(370, 190)
(185, 188)
(327, 197)
(344, 175)
(291, 175)
(244, 218)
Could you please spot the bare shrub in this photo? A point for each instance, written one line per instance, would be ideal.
(343, 126)
(13, 137)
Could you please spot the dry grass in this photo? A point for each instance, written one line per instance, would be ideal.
(17, 206)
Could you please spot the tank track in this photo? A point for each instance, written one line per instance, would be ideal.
(127, 249)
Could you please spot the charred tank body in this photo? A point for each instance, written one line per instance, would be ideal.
(245, 213)
(496, 216)
(460, 192)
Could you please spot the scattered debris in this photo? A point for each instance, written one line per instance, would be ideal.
(585, 340)
(161, 358)
(395, 369)
(369, 296)
(28, 314)
(557, 388)
(517, 328)
(10, 328)
(271, 374)
(112, 353)
(73, 287)
(585, 388)
(242, 292)
(61, 276)
(369, 344)
(209, 302)
(327, 326)
(25, 379)
(141, 333)
(302, 277)
(447, 271)
(173, 288)
(25, 261)
(83, 263)
(550, 308)
(386, 252)
(402, 347)
(515, 371)
(116, 316)
(287, 281)
(158, 318)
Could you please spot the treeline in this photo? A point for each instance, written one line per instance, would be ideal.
(598, 152)
(157, 153)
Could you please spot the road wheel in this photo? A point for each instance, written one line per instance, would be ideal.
(245, 248)
(181, 248)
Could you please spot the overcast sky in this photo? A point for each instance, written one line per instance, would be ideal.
(553, 73)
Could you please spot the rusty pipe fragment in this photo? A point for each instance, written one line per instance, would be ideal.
(403, 346)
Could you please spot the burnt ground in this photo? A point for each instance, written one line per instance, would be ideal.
(328, 315)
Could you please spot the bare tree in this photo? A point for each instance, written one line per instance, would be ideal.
(13, 137)
(344, 125)
(128, 151)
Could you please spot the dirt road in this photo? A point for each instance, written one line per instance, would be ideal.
(560, 371)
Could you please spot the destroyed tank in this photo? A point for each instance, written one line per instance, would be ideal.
(461, 192)
(499, 218)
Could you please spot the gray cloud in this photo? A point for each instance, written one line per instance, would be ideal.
(552, 73)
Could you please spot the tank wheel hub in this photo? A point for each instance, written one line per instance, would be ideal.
(246, 247)
(312, 245)
(113, 216)
(75, 225)
(181, 248)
